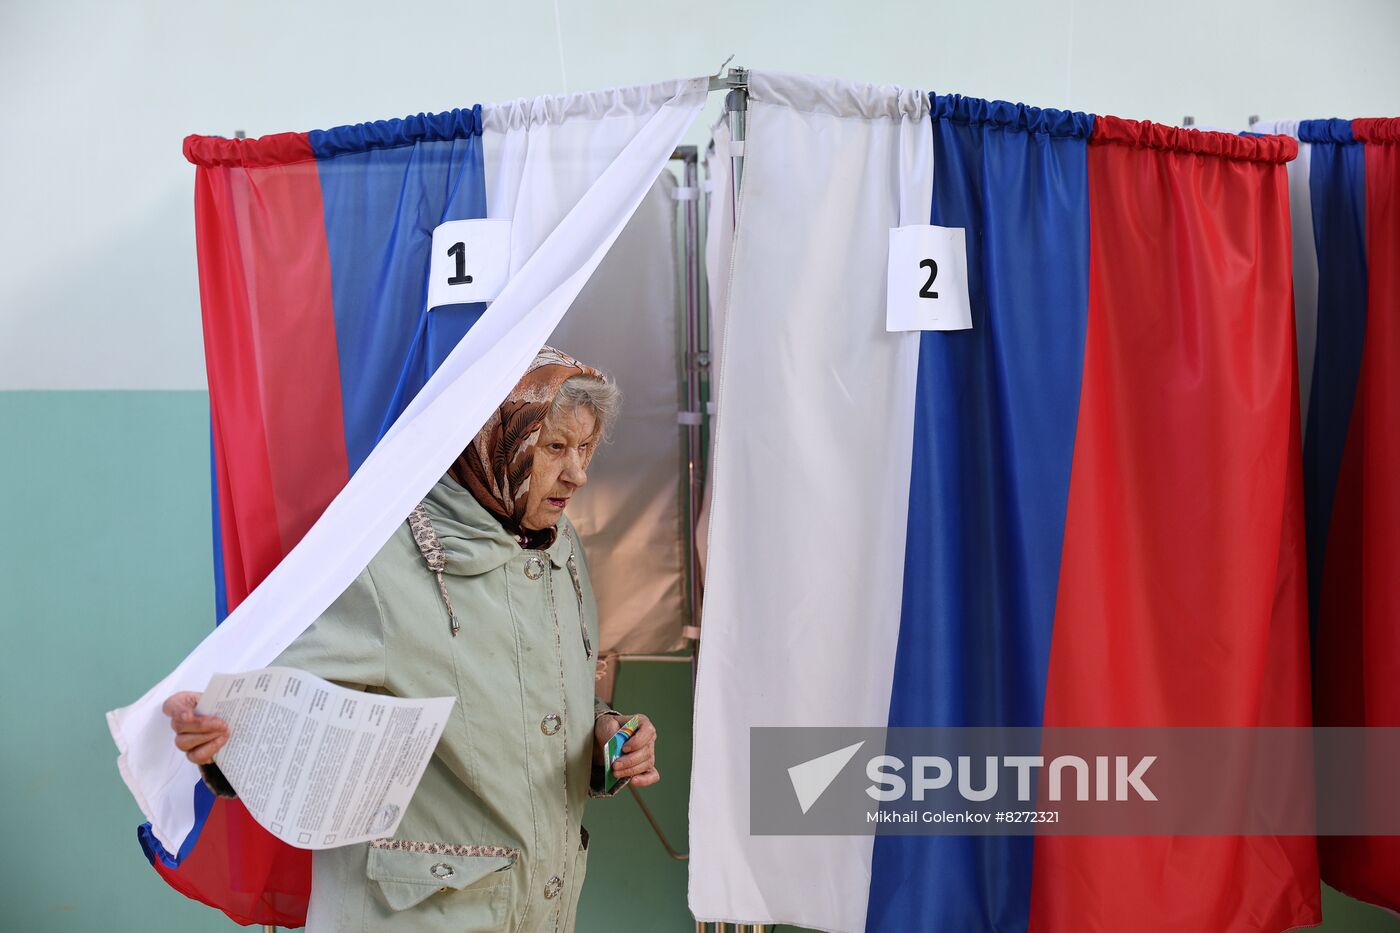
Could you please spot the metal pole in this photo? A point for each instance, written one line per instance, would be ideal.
(696, 365)
(737, 104)
(656, 828)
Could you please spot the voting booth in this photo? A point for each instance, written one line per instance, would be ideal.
(940, 411)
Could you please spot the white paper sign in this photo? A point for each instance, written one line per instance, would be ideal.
(927, 279)
(318, 765)
(471, 261)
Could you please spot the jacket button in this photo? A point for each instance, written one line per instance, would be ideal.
(551, 723)
(553, 886)
(534, 568)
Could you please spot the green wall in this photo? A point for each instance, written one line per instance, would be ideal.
(106, 582)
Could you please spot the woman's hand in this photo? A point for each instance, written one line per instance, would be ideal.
(199, 737)
(638, 759)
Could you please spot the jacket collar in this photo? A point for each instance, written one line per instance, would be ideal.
(473, 541)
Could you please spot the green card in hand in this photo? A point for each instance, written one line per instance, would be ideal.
(613, 751)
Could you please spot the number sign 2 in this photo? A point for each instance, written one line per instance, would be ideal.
(932, 268)
(927, 279)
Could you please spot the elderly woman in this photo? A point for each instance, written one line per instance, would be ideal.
(482, 594)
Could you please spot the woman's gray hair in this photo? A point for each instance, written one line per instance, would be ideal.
(603, 397)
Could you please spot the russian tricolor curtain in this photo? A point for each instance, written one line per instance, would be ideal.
(1086, 510)
(304, 244)
(338, 399)
(1346, 212)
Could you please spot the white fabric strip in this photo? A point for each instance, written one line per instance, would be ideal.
(811, 480)
(566, 222)
(719, 250)
(1304, 256)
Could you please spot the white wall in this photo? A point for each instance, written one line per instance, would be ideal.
(97, 281)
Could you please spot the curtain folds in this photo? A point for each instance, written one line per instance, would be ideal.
(1350, 186)
(1102, 506)
(812, 437)
(993, 444)
(312, 274)
(1181, 595)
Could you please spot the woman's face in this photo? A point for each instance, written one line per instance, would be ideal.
(561, 462)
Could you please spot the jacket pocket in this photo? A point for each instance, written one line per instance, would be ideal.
(406, 878)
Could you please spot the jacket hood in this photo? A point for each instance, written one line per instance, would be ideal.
(473, 541)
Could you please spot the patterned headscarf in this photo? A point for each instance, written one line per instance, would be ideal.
(495, 467)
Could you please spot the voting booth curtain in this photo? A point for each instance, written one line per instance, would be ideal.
(1085, 510)
(338, 398)
(813, 434)
(1345, 189)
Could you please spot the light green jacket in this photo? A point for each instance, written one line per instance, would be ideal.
(492, 839)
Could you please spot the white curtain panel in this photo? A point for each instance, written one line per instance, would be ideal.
(1304, 256)
(811, 479)
(628, 321)
(719, 234)
(719, 253)
(569, 171)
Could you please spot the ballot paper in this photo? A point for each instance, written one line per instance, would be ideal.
(318, 765)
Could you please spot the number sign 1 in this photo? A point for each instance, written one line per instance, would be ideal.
(927, 279)
(470, 261)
